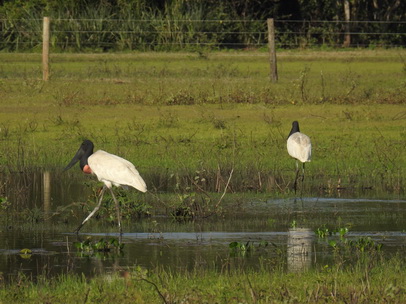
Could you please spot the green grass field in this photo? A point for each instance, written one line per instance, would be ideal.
(173, 114)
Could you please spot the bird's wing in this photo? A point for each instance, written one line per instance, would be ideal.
(300, 147)
(116, 170)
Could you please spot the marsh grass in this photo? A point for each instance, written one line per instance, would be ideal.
(170, 146)
(365, 281)
(176, 114)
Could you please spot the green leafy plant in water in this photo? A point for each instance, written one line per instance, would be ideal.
(323, 232)
(243, 249)
(187, 207)
(356, 249)
(343, 231)
(333, 244)
(364, 245)
(130, 206)
(102, 246)
(194, 201)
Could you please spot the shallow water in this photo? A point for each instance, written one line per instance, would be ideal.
(281, 232)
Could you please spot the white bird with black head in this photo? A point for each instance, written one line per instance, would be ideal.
(109, 169)
(299, 147)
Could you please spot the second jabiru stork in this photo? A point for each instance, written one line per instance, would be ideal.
(299, 147)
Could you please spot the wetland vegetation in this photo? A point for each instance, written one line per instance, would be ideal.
(361, 283)
(184, 117)
(200, 125)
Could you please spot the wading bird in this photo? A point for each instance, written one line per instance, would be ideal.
(109, 169)
(299, 147)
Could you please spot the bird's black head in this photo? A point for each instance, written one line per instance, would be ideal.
(85, 150)
(295, 128)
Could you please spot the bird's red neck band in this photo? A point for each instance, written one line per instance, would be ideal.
(87, 170)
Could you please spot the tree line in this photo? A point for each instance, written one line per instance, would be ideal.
(177, 24)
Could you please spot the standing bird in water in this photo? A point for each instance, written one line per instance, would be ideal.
(109, 169)
(299, 147)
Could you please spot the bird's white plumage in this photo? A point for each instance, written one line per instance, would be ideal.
(300, 147)
(114, 170)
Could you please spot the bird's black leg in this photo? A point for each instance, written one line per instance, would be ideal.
(118, 211)
(93, 212)
(303, 176)
(297, 175)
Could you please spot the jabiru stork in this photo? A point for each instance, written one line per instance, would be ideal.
(299, 147)
(109, 169)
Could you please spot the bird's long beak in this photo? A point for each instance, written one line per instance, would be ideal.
(75, 159)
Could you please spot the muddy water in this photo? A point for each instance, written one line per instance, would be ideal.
(278, 232)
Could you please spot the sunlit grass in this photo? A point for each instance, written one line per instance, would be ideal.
(350, 143)
(173, 114)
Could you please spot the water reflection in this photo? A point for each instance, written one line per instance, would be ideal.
(47, 192)
(159, 241)
(32, 189)
(300, 241)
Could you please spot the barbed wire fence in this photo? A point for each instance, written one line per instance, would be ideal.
(117, 35)
(102, 35)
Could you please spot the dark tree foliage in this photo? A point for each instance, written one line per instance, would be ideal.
(384, 10)
(321, 10)
(289, 10)
(252, 9)
(160, 24)
(255, 9)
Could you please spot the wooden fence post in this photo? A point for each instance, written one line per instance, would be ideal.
(45, 49)
(272, 51)
(347, 15)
